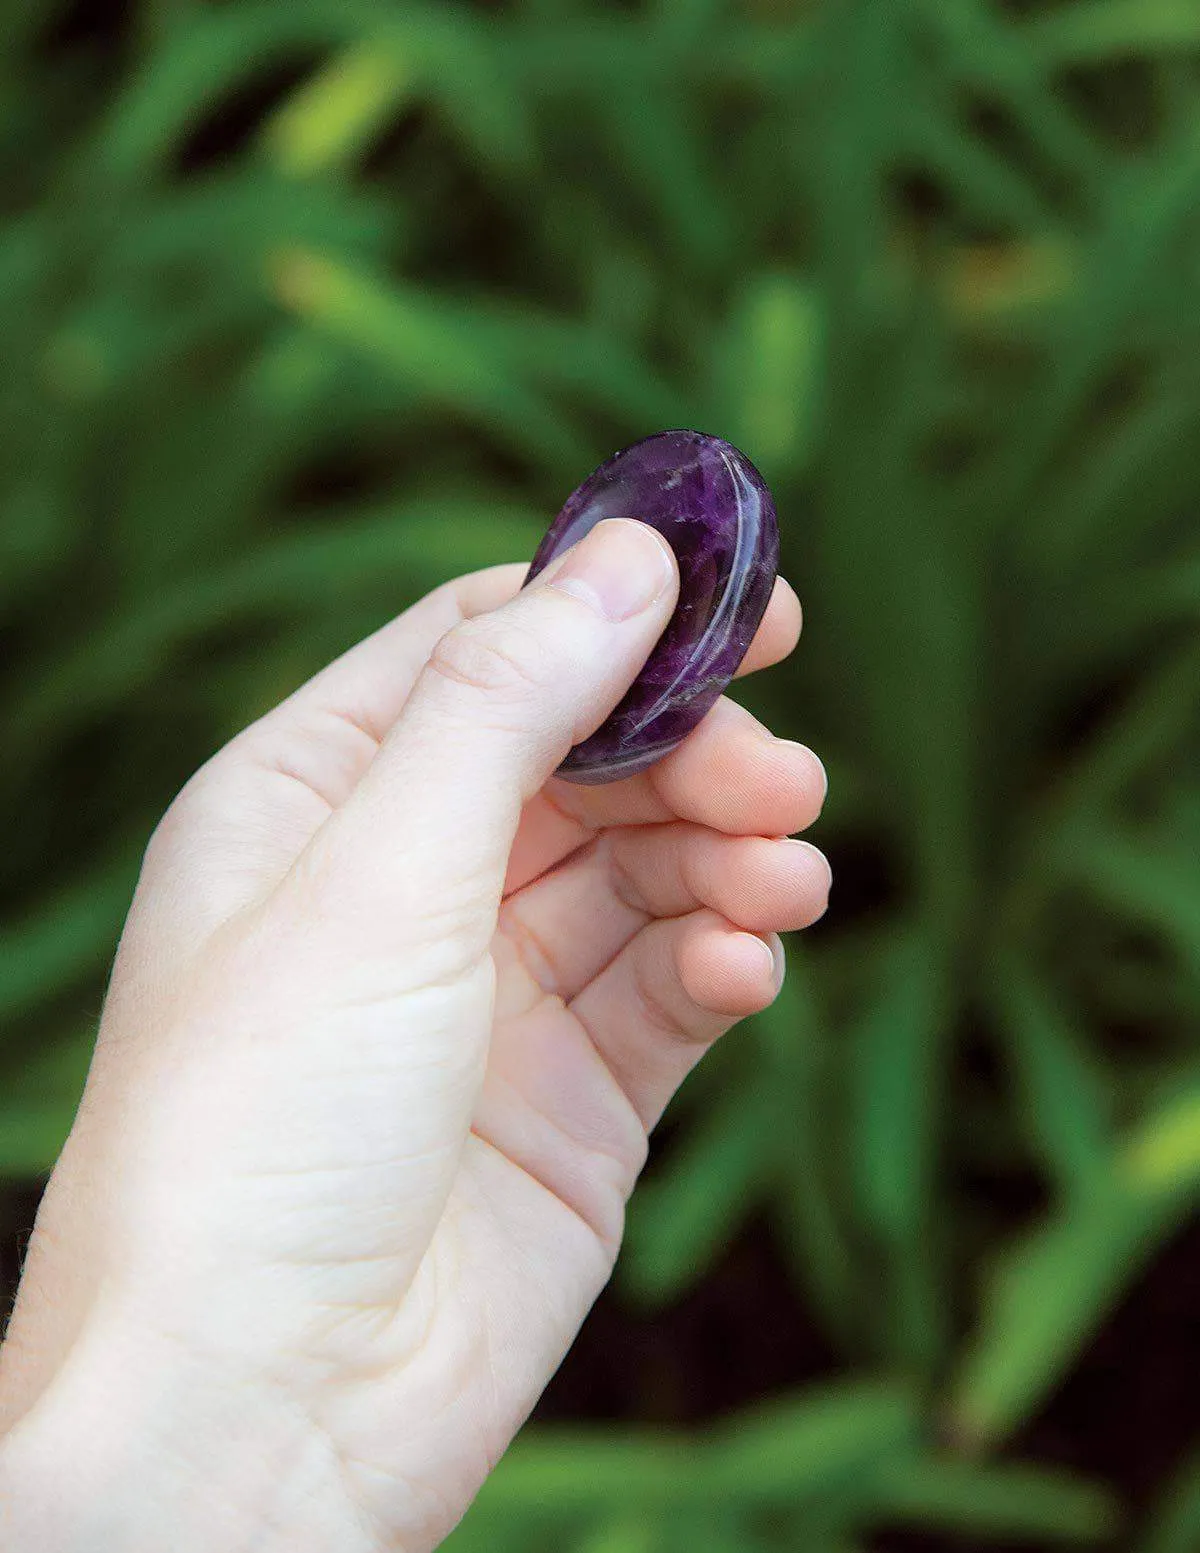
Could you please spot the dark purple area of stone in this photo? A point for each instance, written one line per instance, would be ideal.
(713, 508)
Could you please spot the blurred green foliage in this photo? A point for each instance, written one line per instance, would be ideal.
(307, 306)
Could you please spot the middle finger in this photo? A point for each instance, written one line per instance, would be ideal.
(567, 926)
(730, 774)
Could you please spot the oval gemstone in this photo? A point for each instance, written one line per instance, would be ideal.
(713, 508)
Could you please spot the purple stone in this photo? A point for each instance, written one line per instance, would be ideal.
(714, 510)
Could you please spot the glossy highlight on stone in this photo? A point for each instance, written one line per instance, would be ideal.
(713, 508)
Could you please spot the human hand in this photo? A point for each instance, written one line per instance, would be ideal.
(392, 1016)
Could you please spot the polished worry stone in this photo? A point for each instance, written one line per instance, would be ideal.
(713, 508)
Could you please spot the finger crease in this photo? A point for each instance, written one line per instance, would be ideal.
(622, 1087)
(564, 813)
(592, 1223)
(532, 954)
(623, 885)
(656, 1011)
(360, 723)
(279, 766)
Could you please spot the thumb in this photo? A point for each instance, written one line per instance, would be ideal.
(426, 835)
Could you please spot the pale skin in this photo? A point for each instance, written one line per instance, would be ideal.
(394, 1012)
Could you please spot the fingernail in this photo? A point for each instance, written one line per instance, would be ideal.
(773, 944)
(813, 756)
(620, 568)
(818, 858)
(770, 962)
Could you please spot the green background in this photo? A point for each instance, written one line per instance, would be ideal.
(305, 307)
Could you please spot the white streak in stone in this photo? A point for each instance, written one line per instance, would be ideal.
(720, 628)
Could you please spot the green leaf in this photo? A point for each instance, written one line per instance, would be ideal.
(306, 571)
(989, 53)
(334, 115)
(626, 1536)
(1147, 881)
(1093, 32)
(987, 186)
(1174, 1523)
(70, 936)
(682, 1217)
(814, 1444)
(1161, 1157)
(779, 1455)
(663, 158)
(558, 356)
(430, 350)
(1052, 1289)
(1010, 1501)
(801, 1060)
(1063, 1090)
(898, 1056)
(1043, 1300)
(209, 56)
(38, 1101)
(771, 369)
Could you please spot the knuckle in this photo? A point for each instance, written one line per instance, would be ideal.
(500, 661)
(191, 813)
(658, 1014)
(176, 824)
(612, 851)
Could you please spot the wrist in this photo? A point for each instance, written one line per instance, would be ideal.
(136, 1445)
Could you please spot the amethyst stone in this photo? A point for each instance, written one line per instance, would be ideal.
(714, 510)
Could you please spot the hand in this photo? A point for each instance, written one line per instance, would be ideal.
(392, 1016)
